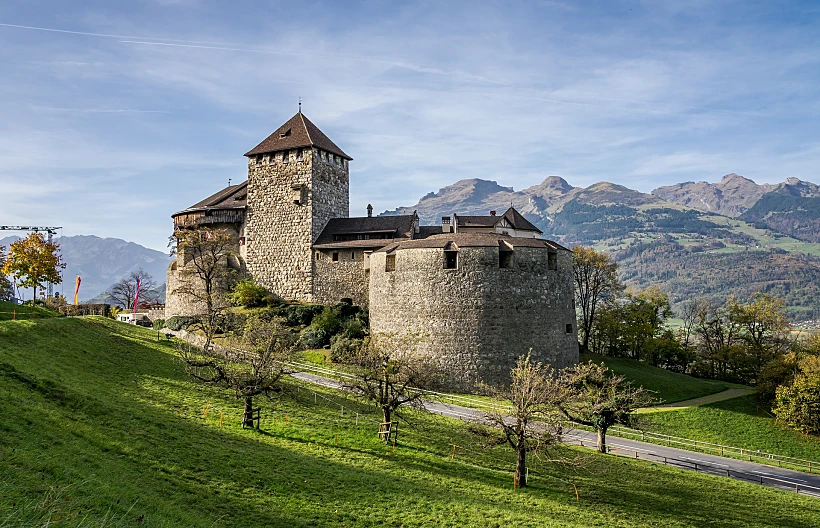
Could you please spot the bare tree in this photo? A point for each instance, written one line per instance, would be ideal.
(531, 423)
(596, 281)
(251, 364)
(205, 258)
(124, 291)
(387, 371)
(593, 396)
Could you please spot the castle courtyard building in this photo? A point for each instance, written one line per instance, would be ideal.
(483, 290)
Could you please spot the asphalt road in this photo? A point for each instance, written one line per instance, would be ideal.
(741, 470)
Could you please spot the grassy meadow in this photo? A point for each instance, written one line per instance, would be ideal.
(101, 427)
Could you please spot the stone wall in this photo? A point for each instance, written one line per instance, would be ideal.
(279, 233)
(478, 318)
(346, 277)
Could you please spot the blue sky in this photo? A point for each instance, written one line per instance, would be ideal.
(117, 114)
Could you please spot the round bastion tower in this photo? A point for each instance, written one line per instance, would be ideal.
(480, 299)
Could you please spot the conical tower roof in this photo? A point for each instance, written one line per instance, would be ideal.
(297, 132)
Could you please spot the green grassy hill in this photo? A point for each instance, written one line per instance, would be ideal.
(740, 422)
(101, 427)
(670, 386)
(9, 311)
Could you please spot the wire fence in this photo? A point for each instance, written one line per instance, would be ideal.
(703, 467)
(740, 453)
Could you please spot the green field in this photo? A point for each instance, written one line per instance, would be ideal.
(9, 311)
(670, 386)
(101, 427)
(739, 422)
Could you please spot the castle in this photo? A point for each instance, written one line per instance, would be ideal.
(482, 289)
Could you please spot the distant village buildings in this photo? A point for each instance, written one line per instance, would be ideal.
(483, 290)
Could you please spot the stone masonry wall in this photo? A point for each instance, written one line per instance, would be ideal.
(478, 318)
(279, 233)
(346, 277)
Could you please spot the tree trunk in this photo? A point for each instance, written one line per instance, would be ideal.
(247, 415)
(521, 468)
(386, 416)
(602, 439)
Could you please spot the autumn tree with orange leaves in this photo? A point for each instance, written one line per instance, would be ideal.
(34, 262)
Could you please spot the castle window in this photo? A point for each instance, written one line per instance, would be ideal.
(296, 191)
(352, 255)
(552, 261)
(390, 263)
(259, 160)
(317, 255)
(505, 259)
(335, 256)
(450, 259)
(298, 154)
(569, 328)
(285, 156)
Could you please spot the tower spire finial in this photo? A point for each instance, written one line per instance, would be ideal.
(300, 105)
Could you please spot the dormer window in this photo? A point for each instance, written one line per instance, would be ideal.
(283, 135)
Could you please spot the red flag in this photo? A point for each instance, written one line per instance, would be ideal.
(137, 296)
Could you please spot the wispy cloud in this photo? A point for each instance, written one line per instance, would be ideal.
(130, 111)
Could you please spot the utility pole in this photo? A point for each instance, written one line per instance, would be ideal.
(51, 231)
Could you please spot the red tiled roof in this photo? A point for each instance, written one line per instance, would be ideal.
(297, 132)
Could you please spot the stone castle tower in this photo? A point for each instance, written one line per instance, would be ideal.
(298, 179)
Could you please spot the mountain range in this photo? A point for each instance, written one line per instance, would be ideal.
(692, 239)
(101, 262)
(733, 237)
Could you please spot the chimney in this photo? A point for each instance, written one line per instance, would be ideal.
(369, 210)
(445, 224)
(492, 213)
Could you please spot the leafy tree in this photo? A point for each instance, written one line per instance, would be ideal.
(797, 404)
(251, 364)
(123, 292)
(596, 280)
(387, 371)
(764, 329)
(595, 397)
(33, 262)
(6, 291)
(530, 423)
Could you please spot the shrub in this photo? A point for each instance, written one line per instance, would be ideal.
(298, 314)
(249, 294)
(159, 324)
(314, 337)
(343, 349)
(179, 322)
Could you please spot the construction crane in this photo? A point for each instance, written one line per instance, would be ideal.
(36, 229)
